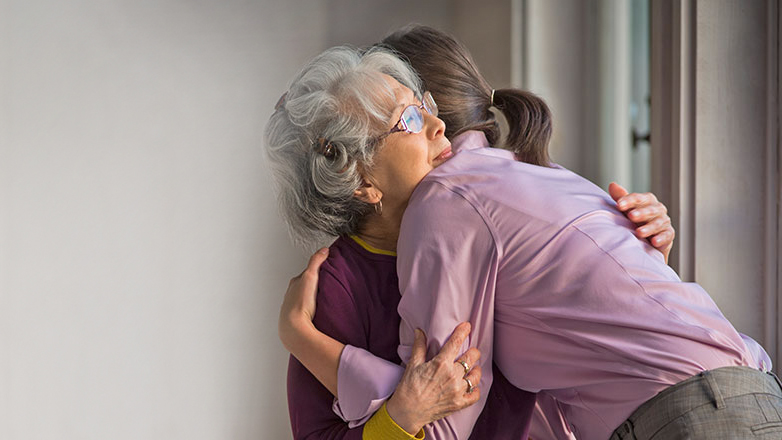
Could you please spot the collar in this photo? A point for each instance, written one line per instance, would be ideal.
(469, 140)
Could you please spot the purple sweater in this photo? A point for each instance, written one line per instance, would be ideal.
(358, 297)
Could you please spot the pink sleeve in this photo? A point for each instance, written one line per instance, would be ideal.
(446, 263)
(761, 358)
(447, 266)
(364, 382)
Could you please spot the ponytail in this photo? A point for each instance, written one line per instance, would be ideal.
(464, 97)
(529, 123)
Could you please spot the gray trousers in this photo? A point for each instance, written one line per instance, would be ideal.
(725, 403)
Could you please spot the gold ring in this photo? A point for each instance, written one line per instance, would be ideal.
(465, 365)
(470, 387)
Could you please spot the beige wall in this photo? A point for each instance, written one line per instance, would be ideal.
(484, 26)
(141, 258)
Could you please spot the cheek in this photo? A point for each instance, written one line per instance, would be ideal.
(404, 165)
(400, 179)
(414, 168)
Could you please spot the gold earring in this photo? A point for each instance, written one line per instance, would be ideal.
(378, 207)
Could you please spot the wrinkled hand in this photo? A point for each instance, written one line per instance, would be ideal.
(432, 390)
(649, 214)
(298, 306)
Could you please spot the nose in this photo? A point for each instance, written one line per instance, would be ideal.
(435, 127)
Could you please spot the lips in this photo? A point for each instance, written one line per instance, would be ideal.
(446, 154)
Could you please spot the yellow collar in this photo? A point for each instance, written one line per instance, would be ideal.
(370, 248)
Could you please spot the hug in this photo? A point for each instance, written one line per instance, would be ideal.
(577, 326)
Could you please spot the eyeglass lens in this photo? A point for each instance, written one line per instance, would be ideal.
(413, 119)
(429, 104)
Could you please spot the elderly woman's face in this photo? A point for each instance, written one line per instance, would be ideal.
(404, 159)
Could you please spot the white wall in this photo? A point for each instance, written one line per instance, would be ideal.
(142, 262)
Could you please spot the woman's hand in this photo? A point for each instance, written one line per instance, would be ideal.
(649, 214)
(318, 352)
(298, 307)
(432, 390)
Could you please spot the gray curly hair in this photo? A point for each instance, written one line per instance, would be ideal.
(323, 133)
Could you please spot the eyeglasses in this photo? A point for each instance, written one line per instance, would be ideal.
(412, 119)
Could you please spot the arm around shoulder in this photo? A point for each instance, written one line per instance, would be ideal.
(447, 266)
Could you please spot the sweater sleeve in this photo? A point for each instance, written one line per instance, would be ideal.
(382, 427)
(309, 402)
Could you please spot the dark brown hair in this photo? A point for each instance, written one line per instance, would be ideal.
(464, 96)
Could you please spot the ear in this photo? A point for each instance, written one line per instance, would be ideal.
(368, 192)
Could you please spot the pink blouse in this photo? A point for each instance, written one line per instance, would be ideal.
(560, 292)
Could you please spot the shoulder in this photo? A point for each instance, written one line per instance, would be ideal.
(444, 215)
(463, 186)
(335, 278)
(340, 311)
(439, 197)
(352, 278)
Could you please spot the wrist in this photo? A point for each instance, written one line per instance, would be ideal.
(294, 330)
(399, 414)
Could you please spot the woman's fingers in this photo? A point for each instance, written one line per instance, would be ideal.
(649, 214)
(639, 207)
(418, 354)
(470, 358)
(300, 298)
(646, 213)
(313, 266)
(474, 376)
(453, 345)
(626, 202)
(654, 227)
(430, 390)
(663, 239)
(659, 231)
(637, 200)
(617, 191)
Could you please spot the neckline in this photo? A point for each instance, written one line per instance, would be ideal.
(371, 249)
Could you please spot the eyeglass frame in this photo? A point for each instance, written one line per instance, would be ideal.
(434, 111)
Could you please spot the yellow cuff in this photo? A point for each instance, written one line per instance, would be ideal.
(382, 427)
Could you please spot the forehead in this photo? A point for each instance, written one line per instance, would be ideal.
(401, 92)
(374, 98)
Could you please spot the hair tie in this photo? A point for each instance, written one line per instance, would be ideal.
(492, 96)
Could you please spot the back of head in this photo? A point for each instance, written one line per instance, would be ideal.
(322, 134)
(464, 97)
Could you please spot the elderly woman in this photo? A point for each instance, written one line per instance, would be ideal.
(315, 139)
(560, 293)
